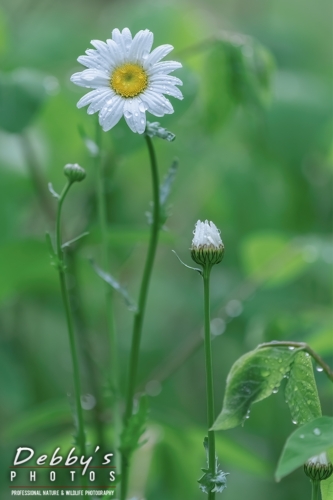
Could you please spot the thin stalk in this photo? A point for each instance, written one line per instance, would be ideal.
(102, 219)
(139, 316)
(65, 298)
(209, 379)
(315, 490)
(305, 347)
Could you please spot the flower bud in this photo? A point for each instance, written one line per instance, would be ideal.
(207, 247)
(318, 468)
(74, 172)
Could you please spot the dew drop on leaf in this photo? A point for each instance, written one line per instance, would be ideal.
(275, 390)
(316, 431)
(265, 373)
(294, 422)
(291, 348)
(319, 368)
(302, 436)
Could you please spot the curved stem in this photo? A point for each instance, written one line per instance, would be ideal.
(102, 219)
(64, 293)
(139, 316)
(209, 380)
(315, 490)
(305, 347)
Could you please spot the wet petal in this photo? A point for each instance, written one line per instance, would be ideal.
(157, 104)
(91, 78)
(158, 54)
(141, 45)
(164, 67)
(135, 115)
(111, 113)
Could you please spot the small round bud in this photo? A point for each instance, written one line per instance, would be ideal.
(318, 468)
(207, 247)
(74, 172)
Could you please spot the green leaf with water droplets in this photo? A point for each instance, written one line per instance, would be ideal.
(301, 390)
(307, 441)
(253, 377)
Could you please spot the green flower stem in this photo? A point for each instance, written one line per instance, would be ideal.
(139, 316)
(315, 490)
(209, 379)
(81, 438)
(102, 219)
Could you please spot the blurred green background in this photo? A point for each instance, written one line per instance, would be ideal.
(255, 153)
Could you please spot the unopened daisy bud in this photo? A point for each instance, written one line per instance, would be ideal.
(318, 468)
(207, 247)
(74, 172)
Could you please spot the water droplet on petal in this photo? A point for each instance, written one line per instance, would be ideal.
(142, 122)
(143, 107)
(319, 368)
(317, 431)
(136, 114)
(127, 113)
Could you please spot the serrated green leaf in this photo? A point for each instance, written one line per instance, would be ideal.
(135, 427)
(22, 93)
(252, 378)
(301, 390)
(307, 441)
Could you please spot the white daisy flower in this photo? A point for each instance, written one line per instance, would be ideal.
(127, 79)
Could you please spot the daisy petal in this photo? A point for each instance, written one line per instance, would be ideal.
(164, 67)
(165, 79)
(100, 100)
(123, 39)
(157, 104)
(88, 98)
(96, 62)
(158, 54)
(111, 113)
(141, 46)
(135, 115)
(116, 53)
(166, 89)
(90, 78)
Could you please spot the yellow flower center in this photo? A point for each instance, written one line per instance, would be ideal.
(129, 80)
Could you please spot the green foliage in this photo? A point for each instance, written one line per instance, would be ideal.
(266, 251)
(209, 482)
(30, 269)
(22, 93)
(253, 377)
(307, 441)
(134, 429)
(238, 73)
(165, 191)
(301, 390)
(110, 280)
